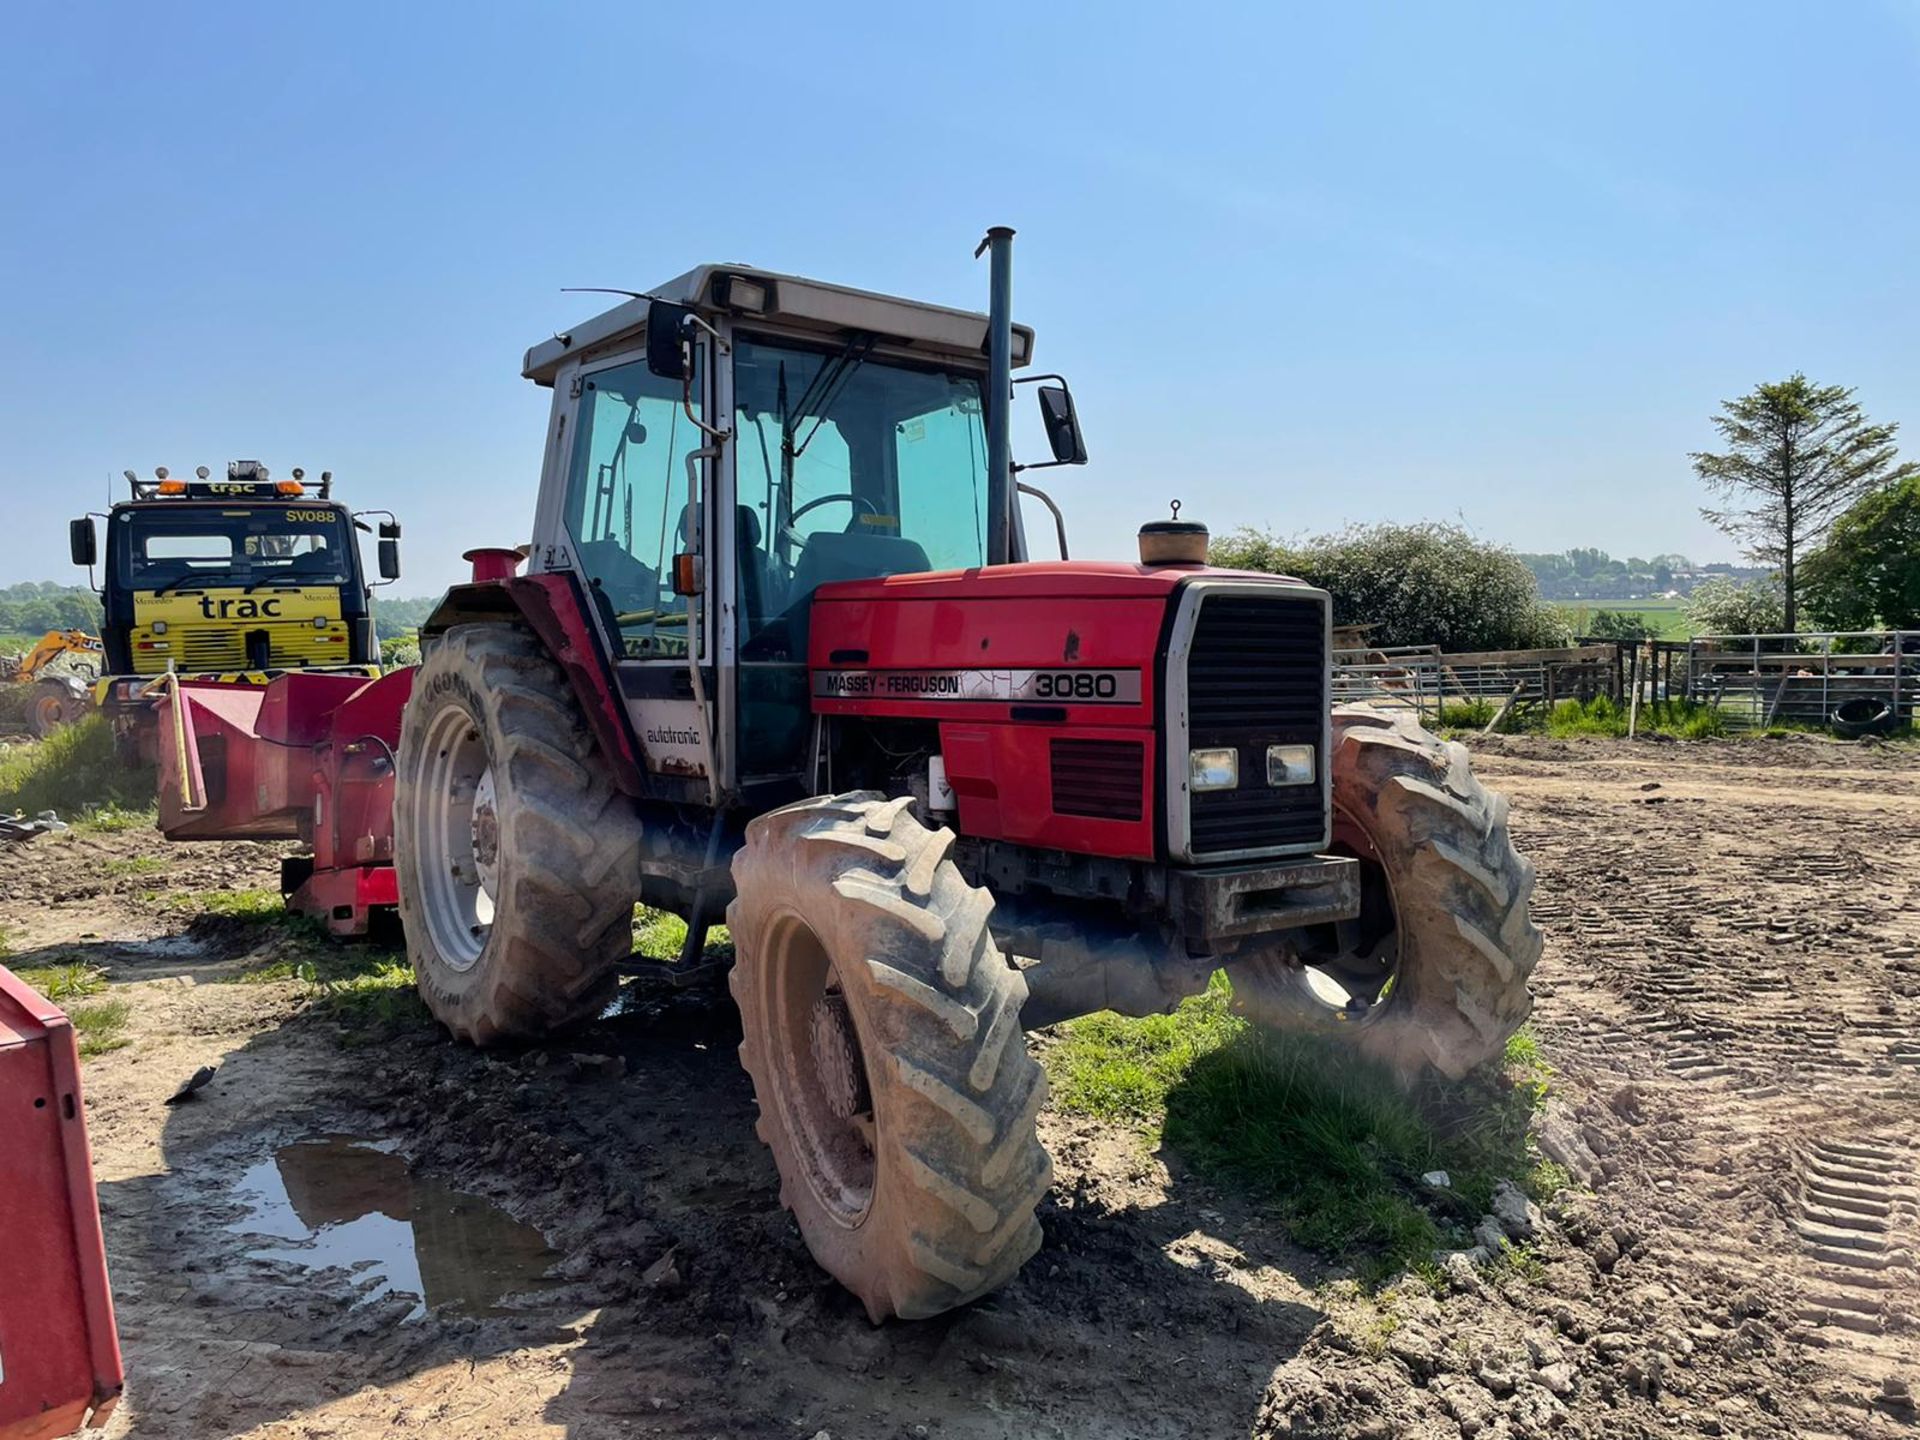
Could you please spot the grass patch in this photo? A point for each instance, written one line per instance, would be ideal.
(97, 1024)
(1120, 1069)
(110, 818)
(1683, 719)
(1680, 719)
(1334, 1143)
(367, 990)
(61, 983)
(658, 935)
(257, 906)
(374, 991)
(1667, 618)
(1465, 715)
(75, 773)
(1598, 716)
(135, 865)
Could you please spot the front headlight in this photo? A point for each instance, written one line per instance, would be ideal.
(1213, 769)
(1289, 765)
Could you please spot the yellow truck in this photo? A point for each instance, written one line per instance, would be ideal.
(243, 575)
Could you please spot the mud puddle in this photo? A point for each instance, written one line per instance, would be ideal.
(338, 1202)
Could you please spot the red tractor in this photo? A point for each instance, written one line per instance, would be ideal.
(779, 655)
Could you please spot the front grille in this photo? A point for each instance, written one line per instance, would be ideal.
(290, 646)
(1101, 779)
(1257, 676)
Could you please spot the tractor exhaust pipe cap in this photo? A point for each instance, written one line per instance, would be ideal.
(1173, 542)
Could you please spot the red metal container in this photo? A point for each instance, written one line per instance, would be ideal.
(59, 1351)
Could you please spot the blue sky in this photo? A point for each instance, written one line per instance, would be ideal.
(1304, 266)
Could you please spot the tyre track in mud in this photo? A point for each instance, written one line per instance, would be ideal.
(1734, 978)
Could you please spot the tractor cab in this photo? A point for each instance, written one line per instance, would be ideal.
(245, 574)
(721, 449)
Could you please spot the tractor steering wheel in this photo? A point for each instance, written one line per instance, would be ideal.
(794, 538)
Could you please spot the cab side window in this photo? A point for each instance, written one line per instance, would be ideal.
(627, 500)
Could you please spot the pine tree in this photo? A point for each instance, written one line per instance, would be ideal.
(1797, 456)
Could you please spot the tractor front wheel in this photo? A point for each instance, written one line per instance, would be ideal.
(882, 1035)
(517, 859)
(1433, 971)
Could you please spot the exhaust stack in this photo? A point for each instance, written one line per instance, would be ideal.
(998, 247)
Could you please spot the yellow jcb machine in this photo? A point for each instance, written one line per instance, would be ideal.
(61, 668)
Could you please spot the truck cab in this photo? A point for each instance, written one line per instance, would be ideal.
(242, 575)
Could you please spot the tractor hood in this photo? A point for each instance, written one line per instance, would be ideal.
(1038, 580)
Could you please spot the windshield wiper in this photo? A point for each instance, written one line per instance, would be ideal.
(819, 397)
(180, 580)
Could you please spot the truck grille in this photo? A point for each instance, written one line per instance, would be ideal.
(291, 647)
(1257, 676)
(1101, 779)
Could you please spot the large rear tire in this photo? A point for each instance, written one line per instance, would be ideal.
(1435, 968)
(517, 859)
(882, 1035)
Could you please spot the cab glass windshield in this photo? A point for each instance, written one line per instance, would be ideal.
(178, 548)
(848, 466)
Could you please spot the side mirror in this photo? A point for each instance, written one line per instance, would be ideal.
(389, 549)
(1063, 426)
(81, 540)
(667, 339)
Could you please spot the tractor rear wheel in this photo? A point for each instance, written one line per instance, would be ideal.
(1433, 972)
(882, 1035)
(517, 859)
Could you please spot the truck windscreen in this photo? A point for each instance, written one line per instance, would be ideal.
(175, 547)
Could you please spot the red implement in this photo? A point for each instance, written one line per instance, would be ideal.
(305, 757)
(59, 1352)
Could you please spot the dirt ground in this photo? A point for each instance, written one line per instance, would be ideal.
(1730, 998)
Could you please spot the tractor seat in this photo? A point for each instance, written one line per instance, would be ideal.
(829, 556)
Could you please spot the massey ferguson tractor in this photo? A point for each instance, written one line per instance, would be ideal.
(779, 654)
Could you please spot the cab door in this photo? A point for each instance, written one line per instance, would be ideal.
(624, 514)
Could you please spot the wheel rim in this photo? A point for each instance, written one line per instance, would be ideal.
(823, 1091)
(47, 713)
(1352, 967)
(457, 823)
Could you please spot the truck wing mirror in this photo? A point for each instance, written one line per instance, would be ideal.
(667, 333)
(81, 540)
(389, 559)
(1063, 426)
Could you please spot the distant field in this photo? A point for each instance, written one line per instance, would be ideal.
(1666, 616)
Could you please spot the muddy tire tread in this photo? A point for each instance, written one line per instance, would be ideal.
(961, 1166)
(1468, 942)
(572, 839)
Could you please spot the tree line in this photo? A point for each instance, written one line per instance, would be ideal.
(34, 607)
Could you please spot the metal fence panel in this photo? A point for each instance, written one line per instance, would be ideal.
(1759, 680)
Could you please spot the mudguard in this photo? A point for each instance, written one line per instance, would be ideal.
(554, 607)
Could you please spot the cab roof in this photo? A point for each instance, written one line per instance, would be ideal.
(791, 302)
